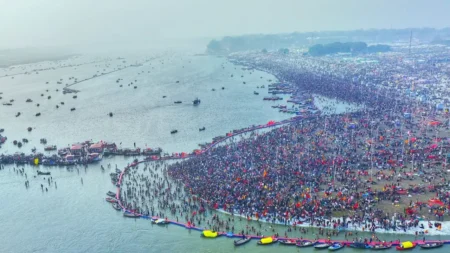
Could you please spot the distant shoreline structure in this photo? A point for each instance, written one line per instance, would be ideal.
(11, 58)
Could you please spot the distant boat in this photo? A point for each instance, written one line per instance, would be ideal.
(131, 215)
(160, 222)
(111, 200)
(174, 131)
(50, 148)
(256, 93)
(43, 173)
(196, 101)
(177, 102)
(431, 245)
(242, 241)
(116, 206)
(202, 129)
(322, 246)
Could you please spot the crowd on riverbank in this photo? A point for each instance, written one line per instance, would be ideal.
(383, 168)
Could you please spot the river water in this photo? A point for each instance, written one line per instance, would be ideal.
(74, 217)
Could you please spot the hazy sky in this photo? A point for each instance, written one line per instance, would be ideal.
(25, 23)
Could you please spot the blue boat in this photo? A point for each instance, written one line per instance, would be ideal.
(336, 246)
(359, 245)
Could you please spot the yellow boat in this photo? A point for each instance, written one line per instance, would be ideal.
(267, 240)
(209, 234)
(406, 245)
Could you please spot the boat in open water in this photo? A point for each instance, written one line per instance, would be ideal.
(131, 215)
(380, 247)
(160, 222)
(431, 245)
(267, 241)
(406, 245)
(359, 245)
(111, 200)
(111, 194)
(336, 246)
(304, 244)
(322, 246)
(196, 101)
(288, 242)
(242, 241)
(116, 206)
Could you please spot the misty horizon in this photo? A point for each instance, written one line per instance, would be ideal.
(85, 24)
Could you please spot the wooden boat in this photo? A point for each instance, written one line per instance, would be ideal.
(111, 200)
(322, 246)
(288, 242)
(116, 206)
(196, 101)
(267, 241)
(358, 245)
(406, 245)
(111, 194)
(161, 222)
(43, 173)
(242, 241)
(305, 244)
(381, 247)
(149, 151)
(131, 215)
(336, 246)
(431, 245)
(50, 148)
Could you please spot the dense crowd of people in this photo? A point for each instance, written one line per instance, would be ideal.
(323, 166)
(382, 167)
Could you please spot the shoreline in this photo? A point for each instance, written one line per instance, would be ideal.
(351, 228)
